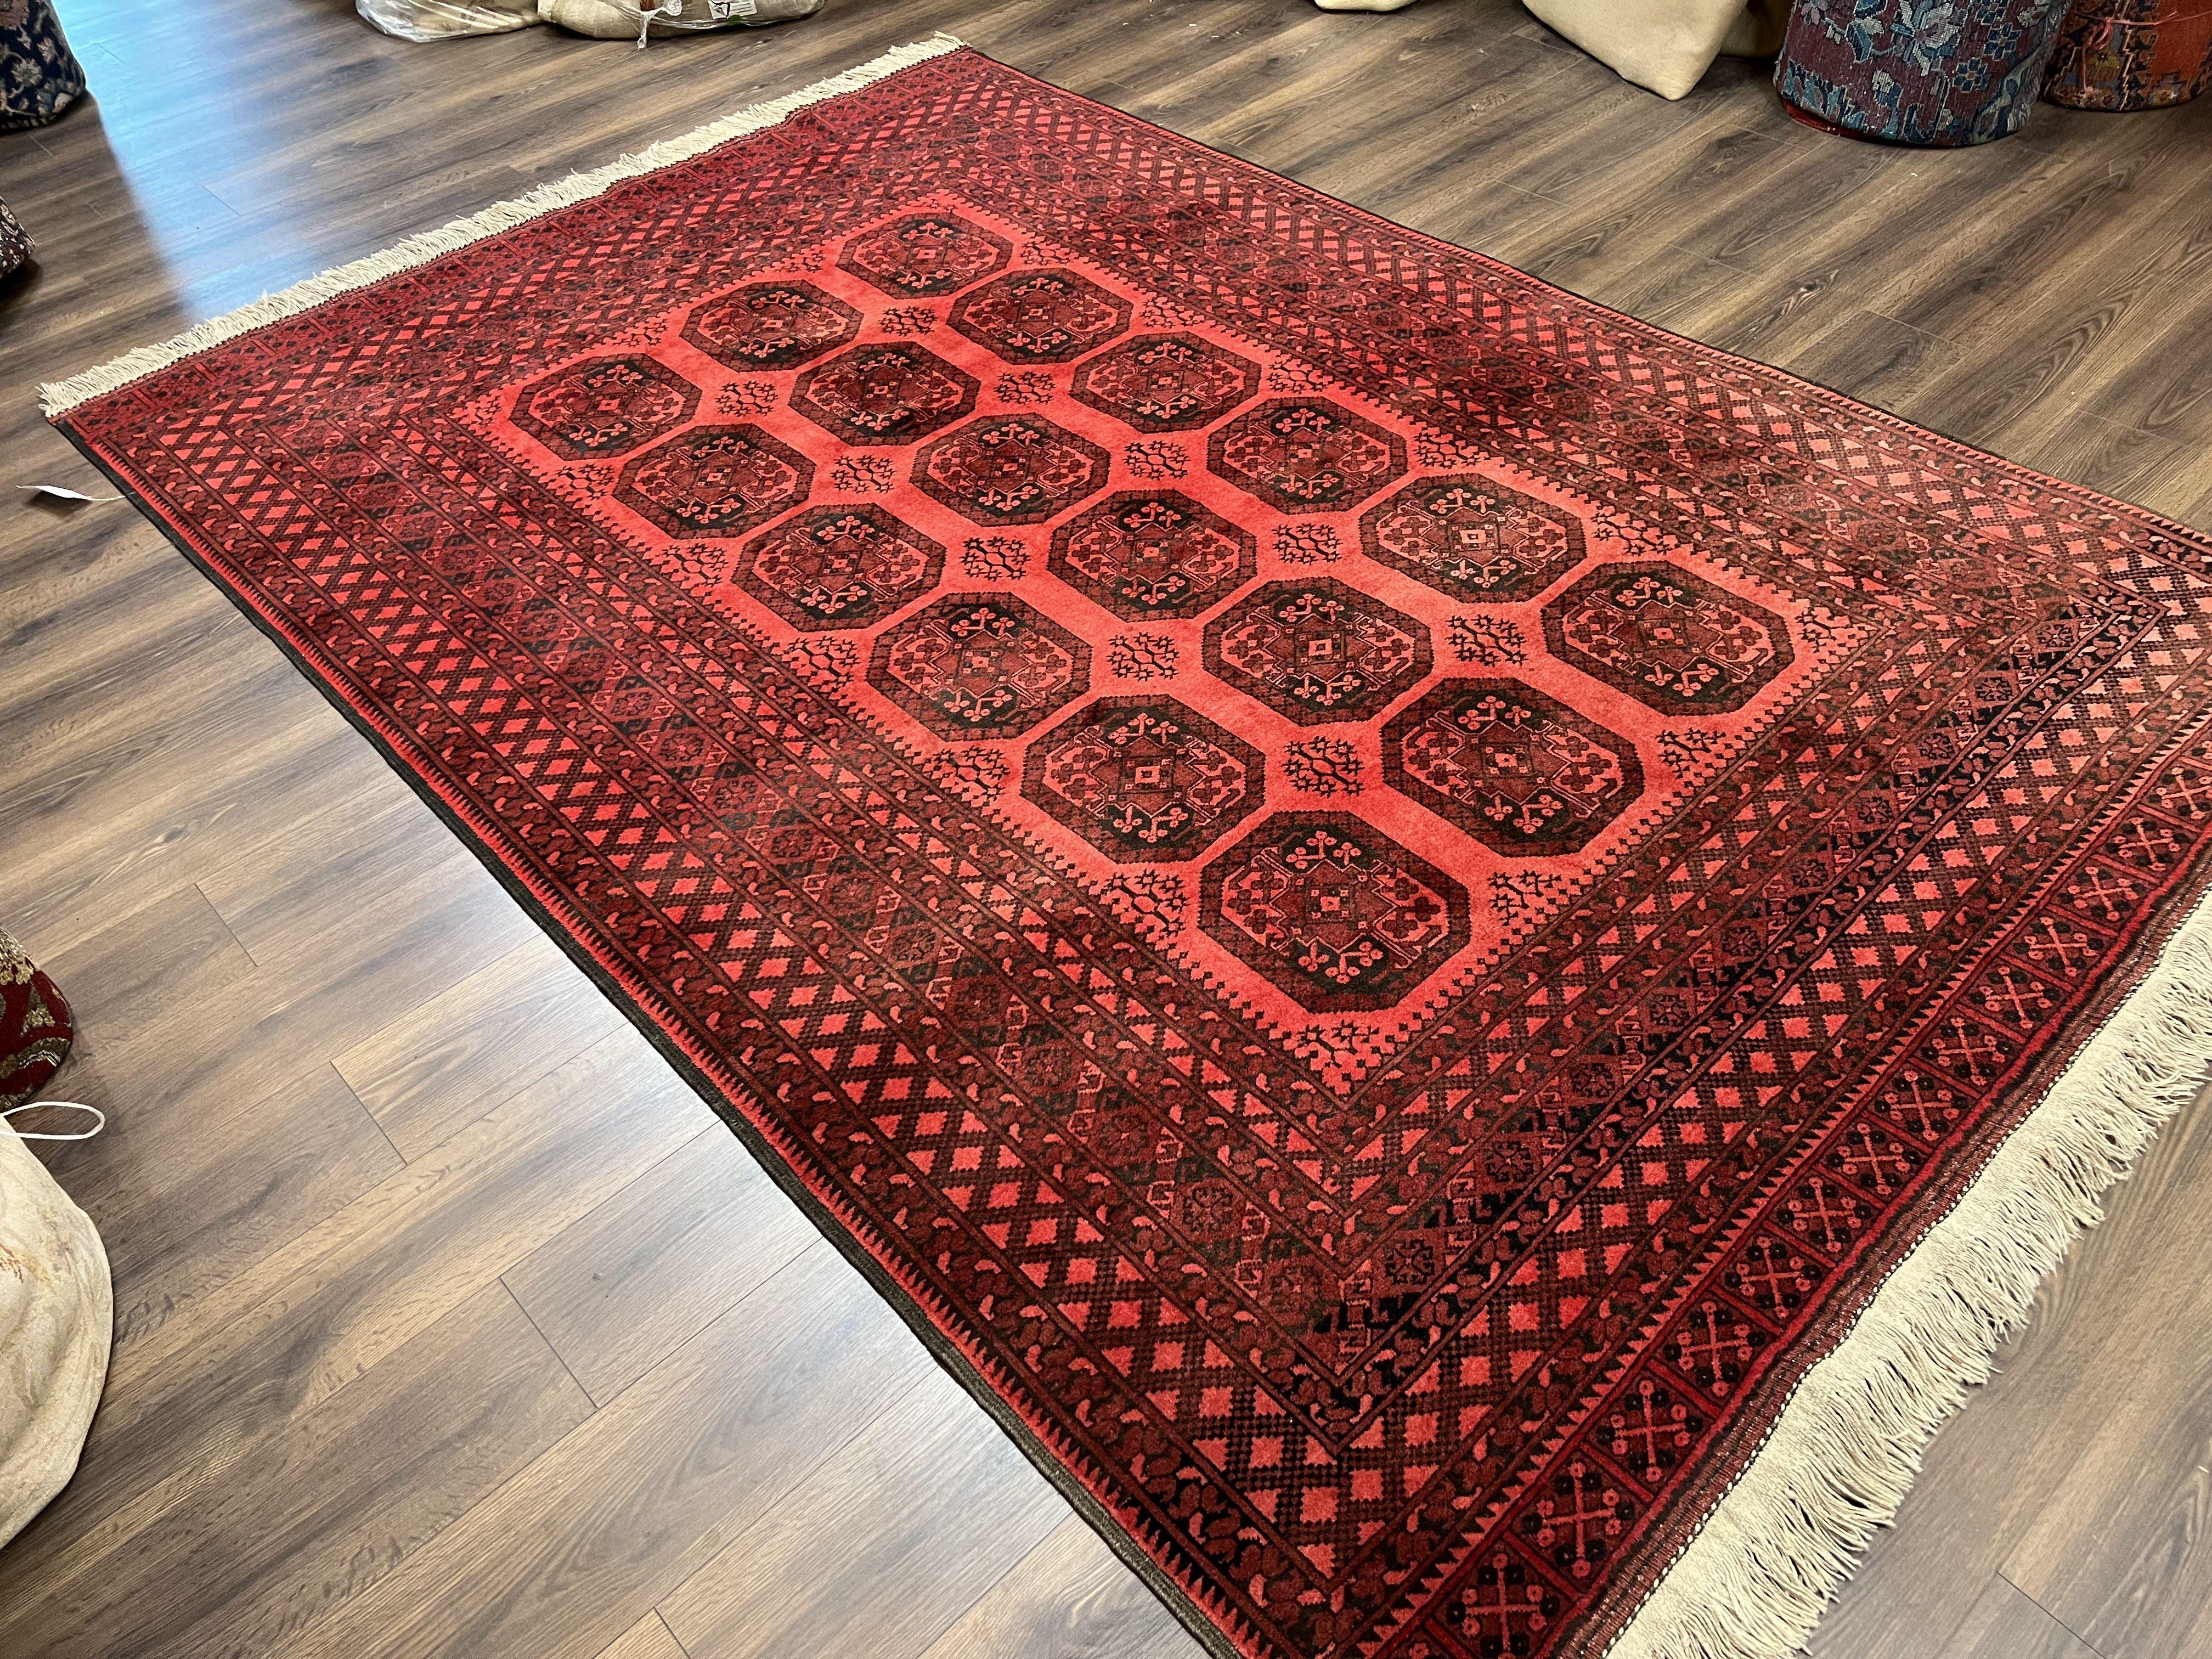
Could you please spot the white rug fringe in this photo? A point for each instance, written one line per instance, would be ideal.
(504, 216)
(1758, 1577)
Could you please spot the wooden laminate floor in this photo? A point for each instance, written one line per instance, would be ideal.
(447, 1321)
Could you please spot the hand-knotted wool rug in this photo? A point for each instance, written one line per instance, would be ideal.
(1462, 957)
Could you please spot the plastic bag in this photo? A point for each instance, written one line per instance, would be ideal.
(442, 20)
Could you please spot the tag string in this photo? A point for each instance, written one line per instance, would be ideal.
(100, 1116)
(645, 14)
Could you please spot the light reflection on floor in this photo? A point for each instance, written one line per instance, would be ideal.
(221, 169)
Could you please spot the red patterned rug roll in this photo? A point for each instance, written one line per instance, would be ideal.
(2131, 54)
(1917, 72)
(35, 1029)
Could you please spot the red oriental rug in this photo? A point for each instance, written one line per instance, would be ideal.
(1464, 958)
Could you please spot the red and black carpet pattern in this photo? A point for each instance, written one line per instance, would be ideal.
(1380, 895)
(36, 1029)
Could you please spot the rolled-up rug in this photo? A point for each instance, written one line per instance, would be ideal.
(35, 1028)
(39, 75)
(1936, 72)
(2131, 54)
(14, 243)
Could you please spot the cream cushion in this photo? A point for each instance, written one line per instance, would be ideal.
(1665, 44)
(57, 1318)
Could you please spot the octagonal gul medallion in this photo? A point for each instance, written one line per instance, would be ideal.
(771, 326)
(1166, 382)
(1318, 652)
(714, 481)
(1520, 771)
(1668, 639)
(1144, 780)
(1332, 912)
(1041, 316)
(1473, 539)
(883, 394)
(1306, 455)
(1009, 469)
(974, 665)
(1145, 554)
(838, 566)
(923, 254)
(605, 406)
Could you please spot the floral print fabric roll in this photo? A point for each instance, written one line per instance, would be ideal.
(40, 76)
(15, 242)
(1936, 72)
(35, 1029)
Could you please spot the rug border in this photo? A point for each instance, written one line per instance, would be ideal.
(1836, 1463)
(1767, 1560)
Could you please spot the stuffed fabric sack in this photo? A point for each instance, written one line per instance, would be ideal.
(615, 20)
(1931, 72)
(1666, 45)
(57, 1320)
(2131, 54)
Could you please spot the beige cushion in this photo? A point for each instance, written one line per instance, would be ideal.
(1664, 45)
(57, 1316)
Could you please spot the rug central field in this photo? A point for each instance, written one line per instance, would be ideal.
(1380, 898)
